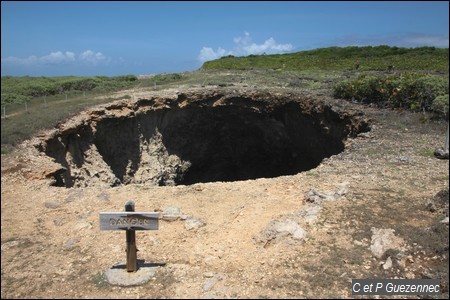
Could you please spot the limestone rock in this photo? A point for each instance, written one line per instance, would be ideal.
(383, 240)
(193, 223)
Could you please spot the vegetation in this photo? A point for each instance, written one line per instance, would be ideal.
(20, 122)
(336, 58)
(160, 79)
(167, 77)
(22, 89)
(440, 104)
(406, 90)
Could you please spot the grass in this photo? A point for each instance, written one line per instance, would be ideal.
(372, 152)
(21, 89)
(426, 152)
(311, 173)
(99, 280)
(22, 122)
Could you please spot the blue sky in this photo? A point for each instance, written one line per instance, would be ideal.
(125, 37)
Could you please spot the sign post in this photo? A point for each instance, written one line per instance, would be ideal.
(129, 221)
(131, 243)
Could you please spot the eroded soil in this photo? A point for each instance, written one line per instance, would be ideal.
(51, 245)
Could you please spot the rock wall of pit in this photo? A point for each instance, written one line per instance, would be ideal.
(197, 137)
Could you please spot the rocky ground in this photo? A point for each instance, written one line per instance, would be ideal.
(379, 209)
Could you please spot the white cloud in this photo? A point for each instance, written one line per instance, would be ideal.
(209, 54)
(244, 45)
(93, 58)
(58, 58)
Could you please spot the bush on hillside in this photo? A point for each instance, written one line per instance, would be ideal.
(440, 105)
(20, 89)
(167, 77)
(411, 91)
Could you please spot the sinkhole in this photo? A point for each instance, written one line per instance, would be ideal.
(196, 138)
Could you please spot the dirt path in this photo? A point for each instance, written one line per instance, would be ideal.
(52, 246)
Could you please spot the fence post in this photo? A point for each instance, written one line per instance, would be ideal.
(446, 139)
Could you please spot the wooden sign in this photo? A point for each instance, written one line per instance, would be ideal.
(129, 220)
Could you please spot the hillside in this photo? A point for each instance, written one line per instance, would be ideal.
(337, 58)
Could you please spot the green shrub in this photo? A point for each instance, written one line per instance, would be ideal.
(126, 78)
(166, 77)
(14, 98)
(411, 91)
(440, 104)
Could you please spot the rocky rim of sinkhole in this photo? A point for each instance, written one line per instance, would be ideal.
(197, 137)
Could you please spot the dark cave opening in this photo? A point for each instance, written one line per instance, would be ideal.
(183, 146)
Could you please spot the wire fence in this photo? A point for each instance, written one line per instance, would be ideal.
(45, 102)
